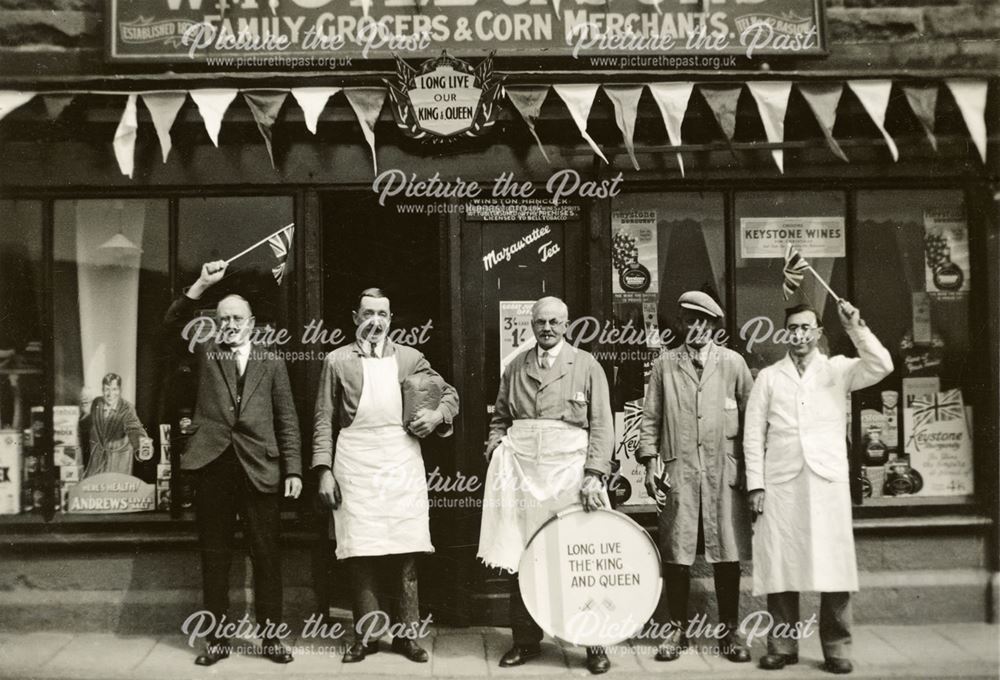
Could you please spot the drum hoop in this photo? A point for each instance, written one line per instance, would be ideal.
(578, 507)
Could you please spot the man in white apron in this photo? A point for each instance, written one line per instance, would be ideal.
(797, 477)
(550, 445)
(371, 470)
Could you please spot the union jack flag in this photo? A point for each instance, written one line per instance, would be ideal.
(794, 270)
(943, 406)
(281, 245)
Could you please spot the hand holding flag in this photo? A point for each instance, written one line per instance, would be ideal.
(281, 245)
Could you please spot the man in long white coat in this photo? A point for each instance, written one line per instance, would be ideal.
(797, 478)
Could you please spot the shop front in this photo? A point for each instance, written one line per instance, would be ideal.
(615, 190)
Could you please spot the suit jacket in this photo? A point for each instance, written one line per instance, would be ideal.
(794, 420)
(574, 389)
(340, 385)
(261, 426)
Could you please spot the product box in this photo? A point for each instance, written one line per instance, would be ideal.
(64, 495)
(67, 455)
(163, 496)
(163, 472)
(66, 425)
(70, 473)
(164, 443)
(10, 472)
(145, 452)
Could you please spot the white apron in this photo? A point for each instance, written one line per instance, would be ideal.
(535, 472)
(383, 487)
(804, 541)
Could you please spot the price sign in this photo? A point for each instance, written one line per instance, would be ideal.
(515, 329)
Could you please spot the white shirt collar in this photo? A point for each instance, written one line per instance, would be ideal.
(243, 351)
(366, 347)
(552, 351)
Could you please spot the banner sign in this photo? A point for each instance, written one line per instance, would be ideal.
(767, 237)
(335, 33)
(111, 492)
(445, 98)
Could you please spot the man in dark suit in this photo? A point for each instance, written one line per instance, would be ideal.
(245, 450)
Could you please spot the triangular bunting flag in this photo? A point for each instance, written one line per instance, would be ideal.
(55, 104)
(367, 104)
(528, 99)
(578, 99)
(264, 106)
(923, 102)
(312, 101)
(722, 100)
(10, 100)
(672, 99)
(970, 95)
(626, 101)
(772, 103)
(163, 108)
(125, 137)
(212, 105)
(823, 99)
(874, 96)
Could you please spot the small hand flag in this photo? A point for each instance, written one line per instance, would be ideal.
(281, 245)
(794, 271)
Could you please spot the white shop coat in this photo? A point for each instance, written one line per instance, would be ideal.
(798, 425)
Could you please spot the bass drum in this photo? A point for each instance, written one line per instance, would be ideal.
(590, 578)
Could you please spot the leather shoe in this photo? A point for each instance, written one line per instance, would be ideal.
(775, 662)
(597, 660)
(357, 652)
(839, 666)
(672, 646)
(277, 652)
(214, 653)
(410, 649)
(734, 647)
(518, 655)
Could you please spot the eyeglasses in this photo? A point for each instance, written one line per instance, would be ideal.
(542, 323)
(805, 329)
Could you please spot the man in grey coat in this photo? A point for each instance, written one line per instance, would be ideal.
(691, 423)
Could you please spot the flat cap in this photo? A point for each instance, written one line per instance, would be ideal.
(701, 302)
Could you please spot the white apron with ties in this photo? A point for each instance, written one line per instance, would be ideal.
(535, 472)
(383, 487)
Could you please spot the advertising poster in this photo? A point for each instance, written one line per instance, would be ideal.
(632, 489)
(939, 444)
(635, 270)
(515, 329)
(768, 237)
(946, 253)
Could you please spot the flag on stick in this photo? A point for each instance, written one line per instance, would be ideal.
(281, 245)
(794, 270)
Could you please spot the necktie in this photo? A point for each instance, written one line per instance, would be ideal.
(544, 359)
(374, 354)
(698, 365)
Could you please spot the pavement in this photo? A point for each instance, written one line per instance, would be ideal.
(960, 650)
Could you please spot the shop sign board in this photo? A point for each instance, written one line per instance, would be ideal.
(768, 237)
(327, 34)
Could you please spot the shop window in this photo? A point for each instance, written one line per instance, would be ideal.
(110, 287)
(21, 365)
(765, 223)
(662, 245)
(913, 278)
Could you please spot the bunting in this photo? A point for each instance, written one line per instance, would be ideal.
(970, 95)
(367, 103)
(212, 105)
(579, 99)
(823, 99)
(10, 100)
(163, 108)
(874, 96)
(125, 136)
(772, 103)
(923, 102)
(528, 101)
(312, 101)
(672, 100)
(264, 107)
(625, 99)
(723, 101)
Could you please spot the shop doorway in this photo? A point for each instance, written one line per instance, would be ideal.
(510, 257)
